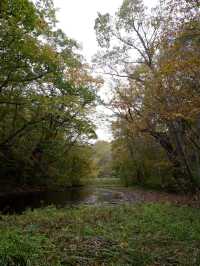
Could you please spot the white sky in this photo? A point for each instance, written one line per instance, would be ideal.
(76, 19)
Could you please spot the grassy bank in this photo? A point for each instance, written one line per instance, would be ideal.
(103, 182)
(145, 234)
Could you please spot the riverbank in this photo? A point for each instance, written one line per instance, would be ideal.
(119, 235)
(7, 189)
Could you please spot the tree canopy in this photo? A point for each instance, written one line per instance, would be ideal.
(157, 104)
(46, 95)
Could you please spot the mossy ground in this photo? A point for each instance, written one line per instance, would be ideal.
(120, 235)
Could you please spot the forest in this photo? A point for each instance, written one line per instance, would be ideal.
(48, 93)
(68, 197)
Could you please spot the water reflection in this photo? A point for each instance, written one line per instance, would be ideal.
(21, 202)
(73, 196)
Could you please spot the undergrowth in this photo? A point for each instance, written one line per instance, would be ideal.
(121, 235)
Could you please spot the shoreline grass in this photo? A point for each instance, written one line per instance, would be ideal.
(142, 234)
(103, 182)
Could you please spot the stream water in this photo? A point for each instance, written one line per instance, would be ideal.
(72, 196)
(18, 203)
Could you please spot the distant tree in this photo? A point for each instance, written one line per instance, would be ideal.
(102, 159)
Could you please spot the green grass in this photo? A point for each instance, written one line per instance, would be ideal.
(103, 182)
(144, 234)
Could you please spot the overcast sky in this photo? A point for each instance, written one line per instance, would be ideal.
(76, 18)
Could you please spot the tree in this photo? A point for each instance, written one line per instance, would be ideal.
(44, 106)
(158, 55)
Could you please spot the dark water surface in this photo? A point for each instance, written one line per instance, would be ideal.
(71, 196)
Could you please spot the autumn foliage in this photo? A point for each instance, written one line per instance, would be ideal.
(154, 59)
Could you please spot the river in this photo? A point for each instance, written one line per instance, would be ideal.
(18, 203)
